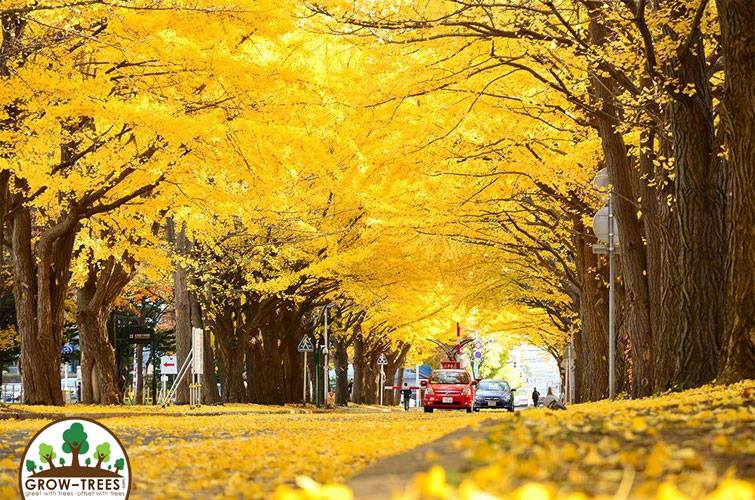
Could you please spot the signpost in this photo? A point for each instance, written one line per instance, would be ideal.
(305, 346)
(168, 365)
(197, 366)
(606, 229)
(382, 361)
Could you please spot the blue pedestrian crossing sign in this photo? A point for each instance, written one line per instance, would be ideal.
(306, 345)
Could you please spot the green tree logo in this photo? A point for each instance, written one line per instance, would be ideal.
(102, 454)
(47, 454)
(75, 442)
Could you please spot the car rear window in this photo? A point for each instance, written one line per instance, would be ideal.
(494, 385)
(449, 378)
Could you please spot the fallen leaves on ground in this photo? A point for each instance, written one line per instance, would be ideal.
(245, 456)
(694, 444)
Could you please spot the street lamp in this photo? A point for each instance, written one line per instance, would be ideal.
(607, 231)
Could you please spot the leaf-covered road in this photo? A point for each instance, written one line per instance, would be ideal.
(244, 456)
(695, 444)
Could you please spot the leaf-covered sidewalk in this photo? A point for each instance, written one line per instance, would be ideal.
(694, 444)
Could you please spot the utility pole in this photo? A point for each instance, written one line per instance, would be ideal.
(611, 302)
(325, 361)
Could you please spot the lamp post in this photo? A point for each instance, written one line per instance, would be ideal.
(607, 231)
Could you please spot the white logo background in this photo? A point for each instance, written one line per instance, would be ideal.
(103, 470)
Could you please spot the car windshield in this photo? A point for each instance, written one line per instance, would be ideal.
(494, 385)
(449, 378)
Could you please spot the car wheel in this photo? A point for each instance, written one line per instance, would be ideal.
(476, 409)
(428, 410)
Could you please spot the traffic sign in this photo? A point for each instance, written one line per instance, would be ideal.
(477, 354)
(66, 349)
(306, 344)
(382, 360)
(168, 365)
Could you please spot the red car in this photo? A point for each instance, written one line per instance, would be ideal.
(449, 389)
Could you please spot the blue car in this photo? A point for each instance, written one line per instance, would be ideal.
(494, 394)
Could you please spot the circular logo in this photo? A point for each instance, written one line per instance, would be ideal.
(75, 457)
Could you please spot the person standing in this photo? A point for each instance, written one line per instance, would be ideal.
(535, 397)
(406, 394)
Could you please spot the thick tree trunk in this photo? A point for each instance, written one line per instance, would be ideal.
(209, 380)
(737, 19)
(699, 213)
(182, 311)
(357, 389)
(40, 281)
(232, 349)
(592, 342)
(94, 301)
(633, 257)
(341, 362)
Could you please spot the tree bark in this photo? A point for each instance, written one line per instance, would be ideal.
(699, 214)
(94, 301)
(738, 42)
(633, 257)
(182, 309)
(41, 272)
(209, 381)
(357, 389)
(341, 362)
(592, 341)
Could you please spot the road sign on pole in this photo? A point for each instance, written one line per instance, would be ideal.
(382, 360)
(382, 381)
(306, 344)
(168, 365)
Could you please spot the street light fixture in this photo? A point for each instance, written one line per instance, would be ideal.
(607, 231)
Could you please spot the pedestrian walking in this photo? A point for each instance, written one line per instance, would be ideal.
(406, 394)
(535, 397)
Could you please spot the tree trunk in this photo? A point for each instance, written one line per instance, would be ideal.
(738, 43)
(357, 389)
(182, 310)
(633, 258)
(592, 341)
(41, 272)
(209, 381)
(94, 301)
(341, 362)
(232, 348)
(699, 212)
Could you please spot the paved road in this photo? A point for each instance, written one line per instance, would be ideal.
(391, 475)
